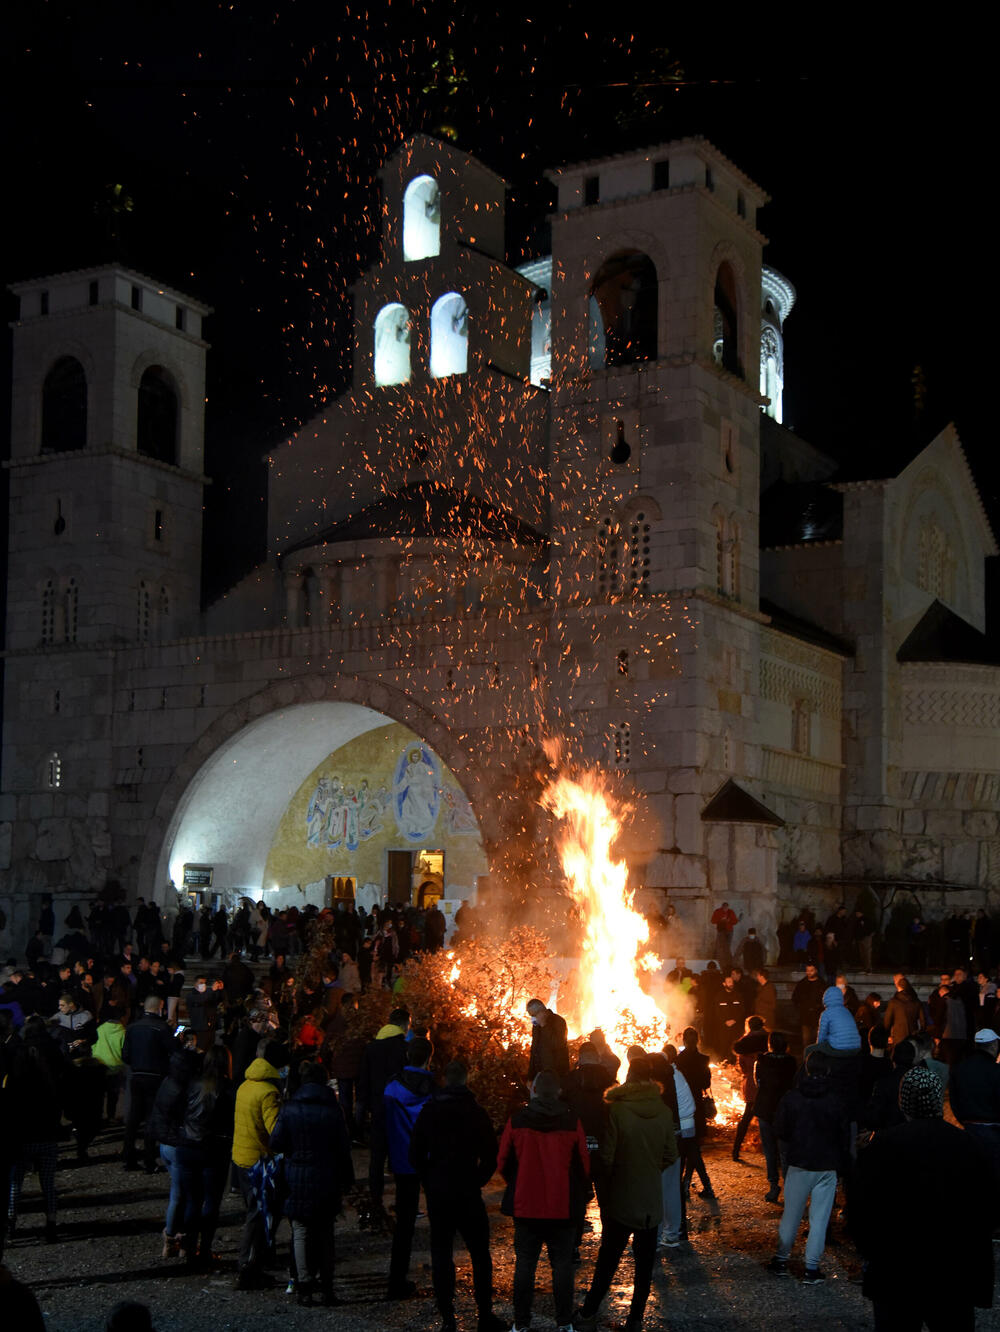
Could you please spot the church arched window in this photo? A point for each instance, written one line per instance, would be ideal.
(48, 611)
(64, 407)
(392, 345)
(53, 772)
(71, 598)
(725, 331)
(164, 608)
(620, 746)
(935, 561)
(449, 336)
(142, 613)
(624, 310)
(156, 434)
(421, 219)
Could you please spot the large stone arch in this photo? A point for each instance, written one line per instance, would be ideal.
(290, 714)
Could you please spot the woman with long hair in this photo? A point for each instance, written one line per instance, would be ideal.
(202, 1155)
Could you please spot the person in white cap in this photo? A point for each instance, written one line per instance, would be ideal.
(975, 1093)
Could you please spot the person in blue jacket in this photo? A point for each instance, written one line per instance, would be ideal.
(405, 1096)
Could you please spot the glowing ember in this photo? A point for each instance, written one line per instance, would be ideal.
(605, 992)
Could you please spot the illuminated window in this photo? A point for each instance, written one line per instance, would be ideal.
(623, 311)
(392, 345)
(48, 612)
(156, 435)
(53, 772)
(64, 407)
(449, 336)
(70, 602)
(421, 219)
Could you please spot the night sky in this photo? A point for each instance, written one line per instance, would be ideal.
(246, 141)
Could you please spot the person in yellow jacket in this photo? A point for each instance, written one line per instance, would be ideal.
(108, 1051)
(258, 1101)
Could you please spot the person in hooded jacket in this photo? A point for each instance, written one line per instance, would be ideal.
(813, 1120)
(312, 1135)
(544, 1160)
(383, 1058)
(405, 1096)
(258, 1101)
(638, 1146)
(453, 1149)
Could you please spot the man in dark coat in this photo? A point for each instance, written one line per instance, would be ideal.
(237, 980)
(149, 1044)
(748, 1049)
(774, 1073)
(454, 1152)
(312, 1136)
(807, 997)
(728, 1019)
(383, 1058)
(549, 1048)
(924, 1167)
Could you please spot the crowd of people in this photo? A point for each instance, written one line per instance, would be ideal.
(253, 1080)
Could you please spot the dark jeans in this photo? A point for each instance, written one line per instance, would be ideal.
(557, 1236)
(407, 1202)
(742, 1126)
(692, 1162)
(774, 1156)
(614, 1237)
(202, 1177)
(940, 1313)
(142, 1089)
(467, 1217)
(253, 1241)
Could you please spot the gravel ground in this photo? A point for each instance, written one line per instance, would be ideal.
(110, 1225)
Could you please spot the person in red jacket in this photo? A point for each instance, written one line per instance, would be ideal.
(544, 1159)
(724, 918)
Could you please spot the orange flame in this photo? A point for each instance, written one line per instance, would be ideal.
(606, 992)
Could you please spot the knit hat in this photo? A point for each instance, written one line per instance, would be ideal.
(921, 1095)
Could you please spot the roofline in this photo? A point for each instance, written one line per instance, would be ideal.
(433, 141)
(162, 288)
(645, 154)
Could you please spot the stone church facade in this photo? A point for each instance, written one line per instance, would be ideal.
(556, 505)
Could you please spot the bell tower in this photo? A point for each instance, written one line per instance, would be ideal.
(106, 482)
(107, 452)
